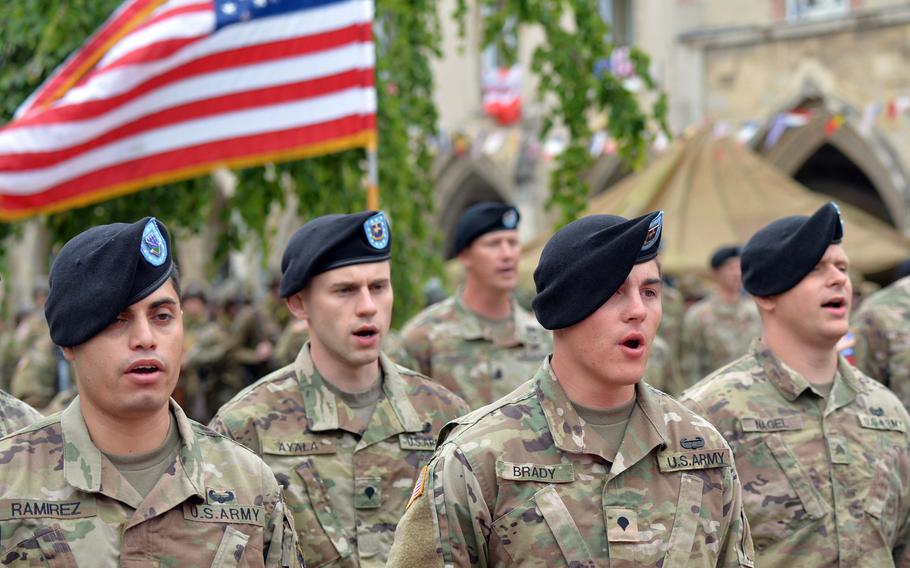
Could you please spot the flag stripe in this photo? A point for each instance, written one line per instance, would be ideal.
(240, 151)
(99, 44)
(175, 114)
(229, 40)
(193, 132)
(234, 62)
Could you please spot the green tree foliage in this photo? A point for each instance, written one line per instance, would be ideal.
(566, 63)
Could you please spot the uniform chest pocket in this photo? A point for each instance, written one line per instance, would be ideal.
(777, 492)
(542, 532)
(883, 502)
(231, 550)
(322, 538)
(659, 533)
(48, 547)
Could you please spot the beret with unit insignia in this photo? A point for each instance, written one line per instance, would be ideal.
(101, 272)
(585, 262)
(333, 241)
(782, 253)
(723, 254)
(480, 219)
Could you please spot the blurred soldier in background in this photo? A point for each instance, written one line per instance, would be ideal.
(719, 328)
(882, 334)
(480, 344)
(205, 346)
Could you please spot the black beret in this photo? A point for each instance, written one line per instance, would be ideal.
(586, 261)
(330, 242)
(723, 254)
(103, 271)
(779, 255)
(480, 219)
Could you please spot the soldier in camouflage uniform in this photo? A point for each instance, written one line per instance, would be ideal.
(15, 414)
(122, 477)
(35, 380)
(882, 332)
(823, 451)
(584, 465)
(344, 429)
(480, 344)
(661, 370)
(205, 345)
(719, 328)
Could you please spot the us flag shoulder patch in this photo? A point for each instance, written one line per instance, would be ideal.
(418, 487)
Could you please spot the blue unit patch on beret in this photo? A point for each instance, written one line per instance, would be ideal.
(654, 230)
(510, 219)
(153, 246)
(377, 231)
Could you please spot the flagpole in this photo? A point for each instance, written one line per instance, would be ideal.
(372, 176)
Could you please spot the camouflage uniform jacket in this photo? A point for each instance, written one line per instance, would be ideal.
(453, 346)
(661, 370)
(37, 378)
(346, 491)
(823, 485)
(713, 334)
(15, 414)
(62, 503)
(524, 482)
(882, 331)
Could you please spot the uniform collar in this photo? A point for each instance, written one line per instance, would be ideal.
(86, 469)
(645, 431)
(394, 412)
(512, 332)
(791, 384)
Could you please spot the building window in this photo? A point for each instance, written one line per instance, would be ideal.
(618, 14)
(816, 9)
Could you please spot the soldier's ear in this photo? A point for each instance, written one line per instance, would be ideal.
(765, 303)
(67, 353)
(297, 306)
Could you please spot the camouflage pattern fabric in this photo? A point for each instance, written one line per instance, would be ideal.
(824, 483)
(36, 379)
(479, 360)
(218, 505)
(205, 346)
(882, 332)
(15, 414)
(713, 334)
(346, 490)
(673, 306)
(524, 482)
(290, 342)
(661, 370)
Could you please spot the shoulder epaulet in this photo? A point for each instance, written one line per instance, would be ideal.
(475, 416)
(283, 373)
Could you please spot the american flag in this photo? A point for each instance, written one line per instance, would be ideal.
(169, 89)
